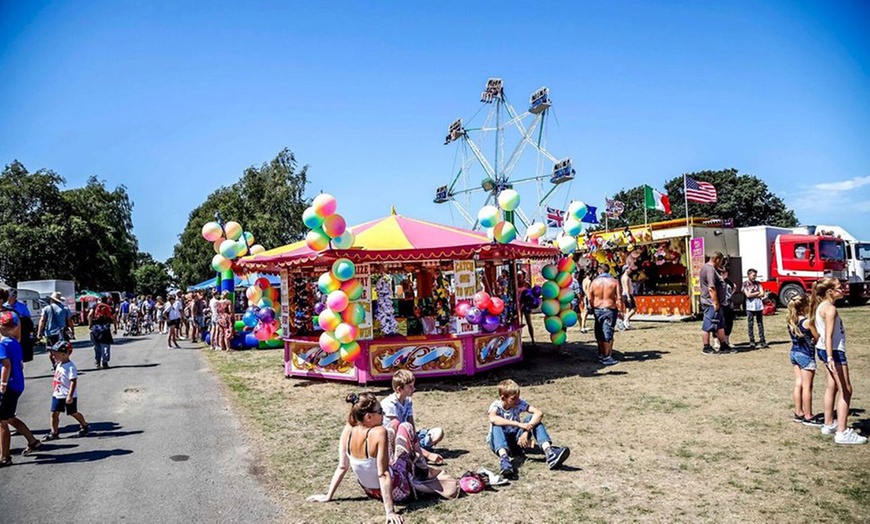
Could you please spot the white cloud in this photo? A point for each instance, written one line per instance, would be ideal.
(844, 185)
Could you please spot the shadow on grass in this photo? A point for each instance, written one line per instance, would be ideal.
(448, 454)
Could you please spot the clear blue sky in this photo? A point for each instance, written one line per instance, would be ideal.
(174, 99)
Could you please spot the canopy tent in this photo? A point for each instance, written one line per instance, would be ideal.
(398, 238)
(88, 296)
(240, 282)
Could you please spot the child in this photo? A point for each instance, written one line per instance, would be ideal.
(11, 388)
(398, 406)
(65, 395)
(831, 346)
(507, 433)
(803, 359)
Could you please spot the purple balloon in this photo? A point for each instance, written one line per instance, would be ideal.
(536, 303)
(536, 291)
(490, 323)
(474, 316)
(266, 315)
(319, 307)
(527, 295)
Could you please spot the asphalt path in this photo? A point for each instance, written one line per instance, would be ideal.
(164, 445)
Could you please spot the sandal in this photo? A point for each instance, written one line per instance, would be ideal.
(6, 462)
(31, 447)
(50, 436)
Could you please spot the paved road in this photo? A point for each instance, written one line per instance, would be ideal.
(165, 446)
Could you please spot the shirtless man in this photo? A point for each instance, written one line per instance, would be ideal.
(604, 301)
(585, 285)
(627, 296)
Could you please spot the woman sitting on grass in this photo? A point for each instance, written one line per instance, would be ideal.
(365, 446)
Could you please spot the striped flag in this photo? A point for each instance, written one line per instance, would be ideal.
(614, 208)
(699, 191)
(652, 199)
(555, 217)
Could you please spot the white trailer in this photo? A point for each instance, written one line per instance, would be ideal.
(67, 288)
(755, 242)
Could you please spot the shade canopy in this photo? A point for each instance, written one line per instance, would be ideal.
(396, 238)
(240, 282)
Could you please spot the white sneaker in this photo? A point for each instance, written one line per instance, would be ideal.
(829, 430)
(849, 437)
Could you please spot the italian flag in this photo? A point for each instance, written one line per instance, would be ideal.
(655, 200)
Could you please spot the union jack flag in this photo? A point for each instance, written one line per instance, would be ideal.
(555, 217)
(699, 191)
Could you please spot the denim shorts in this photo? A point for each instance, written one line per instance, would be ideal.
(605, 321)
(839, 356)
(713, 320)
(59, 405)
(803, 361)
(425, 439)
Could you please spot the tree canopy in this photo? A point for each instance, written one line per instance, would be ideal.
(83, 234)
(152, 277)
(268, 201)
(744, 198)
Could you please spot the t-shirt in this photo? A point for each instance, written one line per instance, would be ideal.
(513, 414)
(11, 349)
(19, 307)
(212, 304)
(752, 304)
(174, 310)
(125, 307)
(64, 374)
(401, 411)
(710, 278)
(55, 317)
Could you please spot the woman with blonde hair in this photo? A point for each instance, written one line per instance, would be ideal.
(803, 360)
(831, 347)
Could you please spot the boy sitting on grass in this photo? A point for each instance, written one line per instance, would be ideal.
(508, 433)
(398, 406)
(65, 396)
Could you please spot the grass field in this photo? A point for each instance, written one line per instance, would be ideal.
(668, 435)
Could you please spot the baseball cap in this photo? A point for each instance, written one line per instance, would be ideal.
(8, 319)
(62, 346)
(13, 292)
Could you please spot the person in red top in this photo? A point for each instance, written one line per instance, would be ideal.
(100, 321)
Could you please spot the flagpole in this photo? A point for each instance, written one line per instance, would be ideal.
(645, 221)
(686, 197)
(606, 212)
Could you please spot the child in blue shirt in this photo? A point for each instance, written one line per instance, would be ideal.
(11, 388)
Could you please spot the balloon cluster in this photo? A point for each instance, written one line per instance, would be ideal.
(340, 316)
(230, 243)
(571, 229)
(557, 295)
(483, 311)
(325, 225)
(489, 217)
(260, 319)
(530, 299)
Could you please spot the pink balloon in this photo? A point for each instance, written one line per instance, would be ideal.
(482, 299)
(496, 306)
(328, 342)
(337, 301)
(334, 225)
(462, 308)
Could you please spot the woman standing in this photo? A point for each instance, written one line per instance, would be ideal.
(831, 349)
(159, 311)
(173, 320)
(225, 321)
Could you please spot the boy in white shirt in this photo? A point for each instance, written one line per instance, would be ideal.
(398, 406)
(65, 395)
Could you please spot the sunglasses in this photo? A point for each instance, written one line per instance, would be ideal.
(380, 411)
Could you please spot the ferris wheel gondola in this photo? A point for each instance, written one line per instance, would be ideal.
(548, 174)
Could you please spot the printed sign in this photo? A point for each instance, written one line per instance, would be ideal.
(430, 357)
(696, 251)
(464, 286)
(363, 274)
(285, 303)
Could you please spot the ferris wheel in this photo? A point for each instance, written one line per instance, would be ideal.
(541, 178)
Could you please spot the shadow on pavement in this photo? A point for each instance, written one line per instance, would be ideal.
(82, 456)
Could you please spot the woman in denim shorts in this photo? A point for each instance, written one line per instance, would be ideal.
(803, 360)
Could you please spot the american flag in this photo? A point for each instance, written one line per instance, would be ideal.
(699, 191)
(555, 217)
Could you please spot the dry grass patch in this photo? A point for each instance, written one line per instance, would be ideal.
(668, 435)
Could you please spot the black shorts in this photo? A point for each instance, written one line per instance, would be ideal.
(9, 404)
(59, 405)
(629, 302)
(175, 322)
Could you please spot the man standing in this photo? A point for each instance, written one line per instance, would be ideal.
(754, 306)
(125, 315)
(627, 296)
(712, 299)
(604, 301)
(55, 323)
(585, 285)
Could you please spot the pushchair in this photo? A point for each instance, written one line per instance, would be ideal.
(133, 324)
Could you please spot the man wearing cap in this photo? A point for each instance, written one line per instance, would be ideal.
(54, 322)
(11, 388)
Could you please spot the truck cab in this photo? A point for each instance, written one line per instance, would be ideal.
(798, 261)
(858, 271)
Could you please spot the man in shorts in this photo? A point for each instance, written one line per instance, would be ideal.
(627, 296)
(604, 301)
(712, 300)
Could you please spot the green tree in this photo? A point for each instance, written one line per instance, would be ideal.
(268, 201)
(152, 277)
(744, 198)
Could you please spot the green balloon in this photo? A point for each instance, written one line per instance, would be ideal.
(239, 326)
(553, 324)
(558, 338)
(566, 296)
(550, 307)
(550, 289)
(569, 317)
(550, 271)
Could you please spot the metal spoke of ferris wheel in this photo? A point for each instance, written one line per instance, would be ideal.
(480, 158)
(471, 220)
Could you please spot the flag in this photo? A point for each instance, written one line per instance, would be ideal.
(591, 216)
(699, 191)
(555, 217)
(652, 199)
(613, 208)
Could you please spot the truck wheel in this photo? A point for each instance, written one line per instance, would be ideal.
(788, 292)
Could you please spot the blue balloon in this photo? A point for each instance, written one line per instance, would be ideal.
(238, 341)
(251, 341)
(250, 318)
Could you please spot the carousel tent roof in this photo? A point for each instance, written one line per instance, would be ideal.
(396, 238)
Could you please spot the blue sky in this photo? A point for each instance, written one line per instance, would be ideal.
(174, 99)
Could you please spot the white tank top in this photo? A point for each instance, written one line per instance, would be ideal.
(838, 337)
(366, 470)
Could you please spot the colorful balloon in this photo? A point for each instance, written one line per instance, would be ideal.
(509, 200)
(241, 248)
(553, 324)
(319, 307)
(212, 231)
(350, 352)
(328, 342)
(354, 314)
(549, 271)
(233, 230)
(567, 245)
(327, 283)
(566, 295)
(566, 264)
(563, 278)
(337, 301)
(254, 294)
(353, 289)
(250, 318)
(316, 240)
(262, 334)
(550, 307)
(474, 315)
(324, 205)
(334, 225)
(248, 238)
(346, 333)
(577, 210)
(572, 227)
(263, 283)
(265, 302)
(266, 315)
(344, 241)
(481, 299)
(256, 249)
(343, 269)
(488, 216)
(311, 219)
(490, 323)
(461, 308)
(229, 249)
(328, 320)
(536, 230)
(496, 306)
(251, 340)
(558, 338)
(220, 263)
(569, 317)
(550, 289)
(217, 245)
(504, 232)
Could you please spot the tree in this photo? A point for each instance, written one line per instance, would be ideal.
(152, 277)
(744, 198)
(268, 201)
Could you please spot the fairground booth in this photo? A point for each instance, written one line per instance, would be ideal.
(666, 257)
(412, 274)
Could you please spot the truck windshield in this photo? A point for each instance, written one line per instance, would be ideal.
(863, 251)
(831, 250)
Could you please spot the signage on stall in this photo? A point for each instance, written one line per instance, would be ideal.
(363, 275)
(285, 303)
(464, 288)
(697, 255)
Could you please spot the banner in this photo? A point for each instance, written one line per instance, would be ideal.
(464, 288)
(697, 255)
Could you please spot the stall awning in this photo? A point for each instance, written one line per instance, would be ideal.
(240, 282)
(396, 238)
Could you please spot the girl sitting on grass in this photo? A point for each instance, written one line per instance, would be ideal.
(803, 359)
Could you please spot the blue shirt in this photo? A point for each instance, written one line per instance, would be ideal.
(19, 307)
(55, 318)
(125, 307)
(11, 349)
